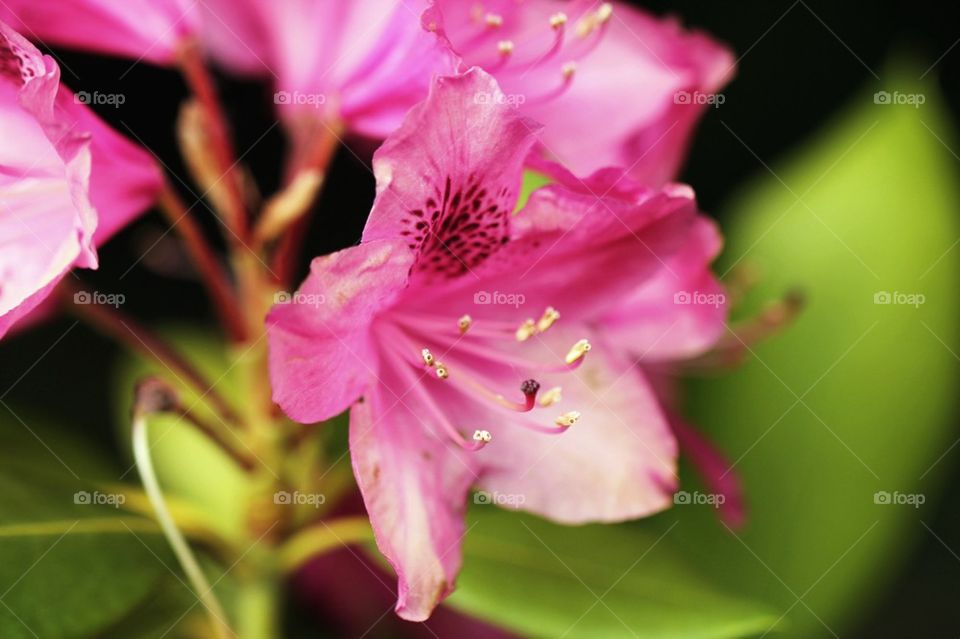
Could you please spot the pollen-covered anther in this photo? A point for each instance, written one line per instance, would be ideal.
(551, 397)
(527, 330)
(604, 13)
(427, 356)
(464, 323)
(592, 21)
(567, 419)
(577, 351)
(568, 70)
(547, 319)
(442, 371)
(493, 20)
(482, 436)
(505, 47)
(557, 20)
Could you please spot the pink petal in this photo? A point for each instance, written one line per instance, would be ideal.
(124, 178)
(617, 462)
(681, 311)
(364, 62)
(321, 339)
(414, 485)
(148, 30)
(47, 223)
(620, 107)
(452, 169)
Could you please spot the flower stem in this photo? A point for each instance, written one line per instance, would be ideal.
(199, 582)
(112, 323)
(222, 295)
(323, 537)
(201, 83)
(315, 144)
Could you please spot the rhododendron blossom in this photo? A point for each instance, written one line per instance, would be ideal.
(613, 85)
(67, 181)
(468, 339)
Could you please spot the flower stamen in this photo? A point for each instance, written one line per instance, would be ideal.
(577, 352)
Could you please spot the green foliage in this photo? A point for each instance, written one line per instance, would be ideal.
(856, 398)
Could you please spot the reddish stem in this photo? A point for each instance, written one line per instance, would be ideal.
(114, 324)
(201, 83)
(222, 295)
(315, 144)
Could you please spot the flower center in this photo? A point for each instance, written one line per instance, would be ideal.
(478, 354)
(511, 50)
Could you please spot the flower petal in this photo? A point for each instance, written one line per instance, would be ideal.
(148, 30)
(617, 462)
(448, 179)
(681, 311)
(321, 350)
(414, 485)
(46, 220)
(124, 178)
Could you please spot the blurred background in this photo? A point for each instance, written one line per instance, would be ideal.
(806, 73)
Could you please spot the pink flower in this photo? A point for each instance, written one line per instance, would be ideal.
(612, 85)
(67, 181)
(465, 328)
(362, 63)
(150, 30)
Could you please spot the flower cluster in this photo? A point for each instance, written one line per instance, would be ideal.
(545, 395)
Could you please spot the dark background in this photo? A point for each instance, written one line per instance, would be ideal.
(802, 61)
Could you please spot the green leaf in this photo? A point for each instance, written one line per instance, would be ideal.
(71, 561)
(857, 397)
(545, 580)
(188, 464)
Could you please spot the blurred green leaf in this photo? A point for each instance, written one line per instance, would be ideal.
(545, 580)
(188, 464)
(857, 397)
(71, 562)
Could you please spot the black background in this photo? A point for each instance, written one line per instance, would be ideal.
(803, 61)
